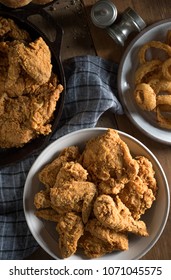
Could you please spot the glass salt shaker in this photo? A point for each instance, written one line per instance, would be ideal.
(104, 14)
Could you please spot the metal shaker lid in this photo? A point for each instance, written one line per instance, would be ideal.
(131, 15)
(103, 13)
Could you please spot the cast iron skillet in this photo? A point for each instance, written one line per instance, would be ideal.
(21, 17)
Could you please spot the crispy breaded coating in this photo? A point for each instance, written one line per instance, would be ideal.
(70, 171)
(146, 173)
(35, 59)
(27, 116)
(115, 215)
(42, 199)
(111, 186)
(70, 228)
(10, 30)
(48, 174)
(118, 240)
(139, 194)
(48, 214)
(94, 247)
(107, 156)
(74, 196)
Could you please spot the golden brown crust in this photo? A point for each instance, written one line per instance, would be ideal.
(118, 240)
(49, 173)
(70, 228)
(107, 156)
(115, 215)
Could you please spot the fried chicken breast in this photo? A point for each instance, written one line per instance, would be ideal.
(107, 158)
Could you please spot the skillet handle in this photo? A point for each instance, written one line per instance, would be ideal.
(54, 44)
(24, 14)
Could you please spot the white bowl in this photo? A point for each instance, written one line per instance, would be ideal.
(44, 232)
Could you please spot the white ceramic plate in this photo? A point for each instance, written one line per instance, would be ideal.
(146, 122)
(44, 232)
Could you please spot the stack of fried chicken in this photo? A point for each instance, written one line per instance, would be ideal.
(96, 197)
(29, 90)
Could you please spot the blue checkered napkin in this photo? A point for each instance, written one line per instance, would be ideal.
(91, 90)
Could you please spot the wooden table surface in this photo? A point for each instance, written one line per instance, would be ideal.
(81, 37)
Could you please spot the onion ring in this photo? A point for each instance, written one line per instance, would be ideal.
(148, 67)
(163, 100)
(145, 97)
(166, 69)
(152, 44)
(160, 85)
(164, 122)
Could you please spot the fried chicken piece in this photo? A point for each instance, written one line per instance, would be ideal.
(70, 171)
(74, 196)
(118, 240)
(70, 229)
(48, 174)
(42, 199)
(116, 215)
(10, 30)
(48, 214)
(14, 81)
(28, 116)
(147, 173)
(139, 194)
(29, 67)
(35, 59)
(94, 247)
(107, 157)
